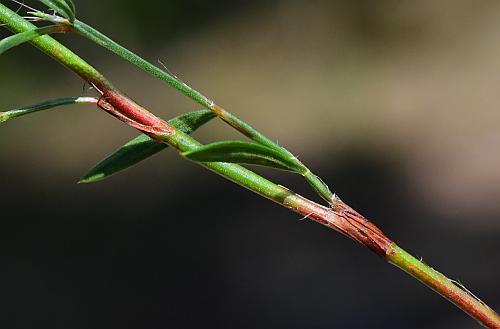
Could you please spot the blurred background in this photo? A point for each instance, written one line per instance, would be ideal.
(394, 103)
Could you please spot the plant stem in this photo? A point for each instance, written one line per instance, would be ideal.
(97, 37)
(449, 289)
(341, 218)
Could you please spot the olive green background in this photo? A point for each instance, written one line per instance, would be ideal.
(394, 103)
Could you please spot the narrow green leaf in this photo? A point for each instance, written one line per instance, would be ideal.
(143, 147)
(20, 38)
(4, 116)
(62, 7)
(138, 149)
(245, 153)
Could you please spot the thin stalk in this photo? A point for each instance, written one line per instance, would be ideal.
(104, 41)
(451, 290)
(4, 116)
(342, 218)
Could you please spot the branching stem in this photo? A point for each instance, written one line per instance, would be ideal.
(341, 218)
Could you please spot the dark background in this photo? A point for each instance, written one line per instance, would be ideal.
(394, 103)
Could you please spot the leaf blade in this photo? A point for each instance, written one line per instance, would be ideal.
(245, 153)
(143, 147)
(23, 37)
(134, 151)
(21, 111)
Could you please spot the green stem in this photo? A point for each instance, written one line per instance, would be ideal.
(102, 40)
(97, 37)
(447, 288)
(342, 218)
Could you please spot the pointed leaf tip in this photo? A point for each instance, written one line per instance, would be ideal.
(4, 116)
(91, 179)
(143, 147)
(136, 150)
